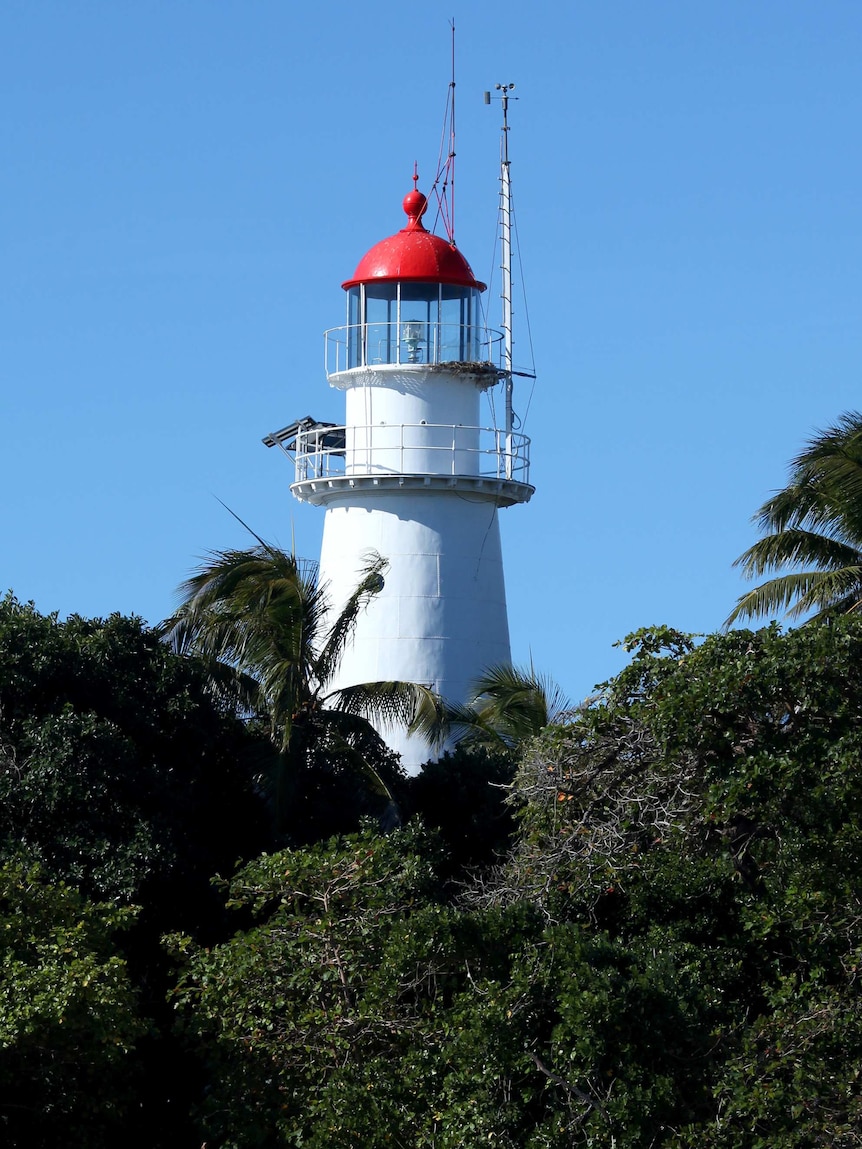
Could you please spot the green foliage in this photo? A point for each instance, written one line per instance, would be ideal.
(68, 1016)
(282, 1006)
(465, 797)
(668, 955)
(706, 814)
(358, 1009)
(265, 630)
(661, 947)
(119, 776)
(794, 1079)
(117, 771)
(506, 706)
(814, 523)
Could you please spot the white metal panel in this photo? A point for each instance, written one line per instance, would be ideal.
(441, 616)
(418, 423)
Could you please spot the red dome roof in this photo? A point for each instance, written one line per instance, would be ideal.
(414, 255)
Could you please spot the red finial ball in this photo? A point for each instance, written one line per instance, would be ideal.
(415, 205)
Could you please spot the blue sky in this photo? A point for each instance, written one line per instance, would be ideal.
(185, 185)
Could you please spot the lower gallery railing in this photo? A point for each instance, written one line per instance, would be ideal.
(411, 449)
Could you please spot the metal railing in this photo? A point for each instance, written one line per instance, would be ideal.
(412, 449)
(410, 342)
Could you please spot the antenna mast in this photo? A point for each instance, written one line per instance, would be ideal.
(444, 181)
(506, 263)
(506, 254)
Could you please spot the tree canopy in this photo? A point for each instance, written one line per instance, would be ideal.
(124, 786)
(69, 1016)
(118, 770)
(667, 956)
(634, 924)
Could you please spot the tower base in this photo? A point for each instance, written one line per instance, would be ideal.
(440, 618)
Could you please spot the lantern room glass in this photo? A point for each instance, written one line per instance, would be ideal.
(402, 323)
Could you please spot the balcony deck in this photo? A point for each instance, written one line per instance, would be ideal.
(331, 460)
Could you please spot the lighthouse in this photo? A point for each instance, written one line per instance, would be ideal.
(415, 472)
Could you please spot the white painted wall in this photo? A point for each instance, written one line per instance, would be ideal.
(408, 420)
(441, 616)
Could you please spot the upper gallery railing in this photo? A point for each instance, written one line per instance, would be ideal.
(409, 342)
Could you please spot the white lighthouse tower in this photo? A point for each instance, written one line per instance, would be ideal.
(413, 472)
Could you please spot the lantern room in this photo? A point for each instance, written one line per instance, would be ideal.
(413, 299)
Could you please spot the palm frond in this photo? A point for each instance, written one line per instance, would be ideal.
(827, 589)
(845, 437)
(519, 689)
(263, 583)
(466, 724)
(394, 703)
(507, 705)
(796, 506)
(258, 619)
(825, 488)
(257, 612)
(429, 717)
(794, 547)
(801, 592)
(356, 741)
(816, 522)
(234, 688)
(342, 627)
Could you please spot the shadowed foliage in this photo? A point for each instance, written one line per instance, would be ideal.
(267, 634)
(122, 782)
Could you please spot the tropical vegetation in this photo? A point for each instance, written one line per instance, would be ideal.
(263, 628)
(814, 534)
(637, 923)
(506, 706)
(124, 786)
(668, 954)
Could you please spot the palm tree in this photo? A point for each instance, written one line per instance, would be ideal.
(815, 523)
(261, 622)
(507, 705)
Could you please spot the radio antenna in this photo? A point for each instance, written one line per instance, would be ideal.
(444, 181)
(506, 262)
